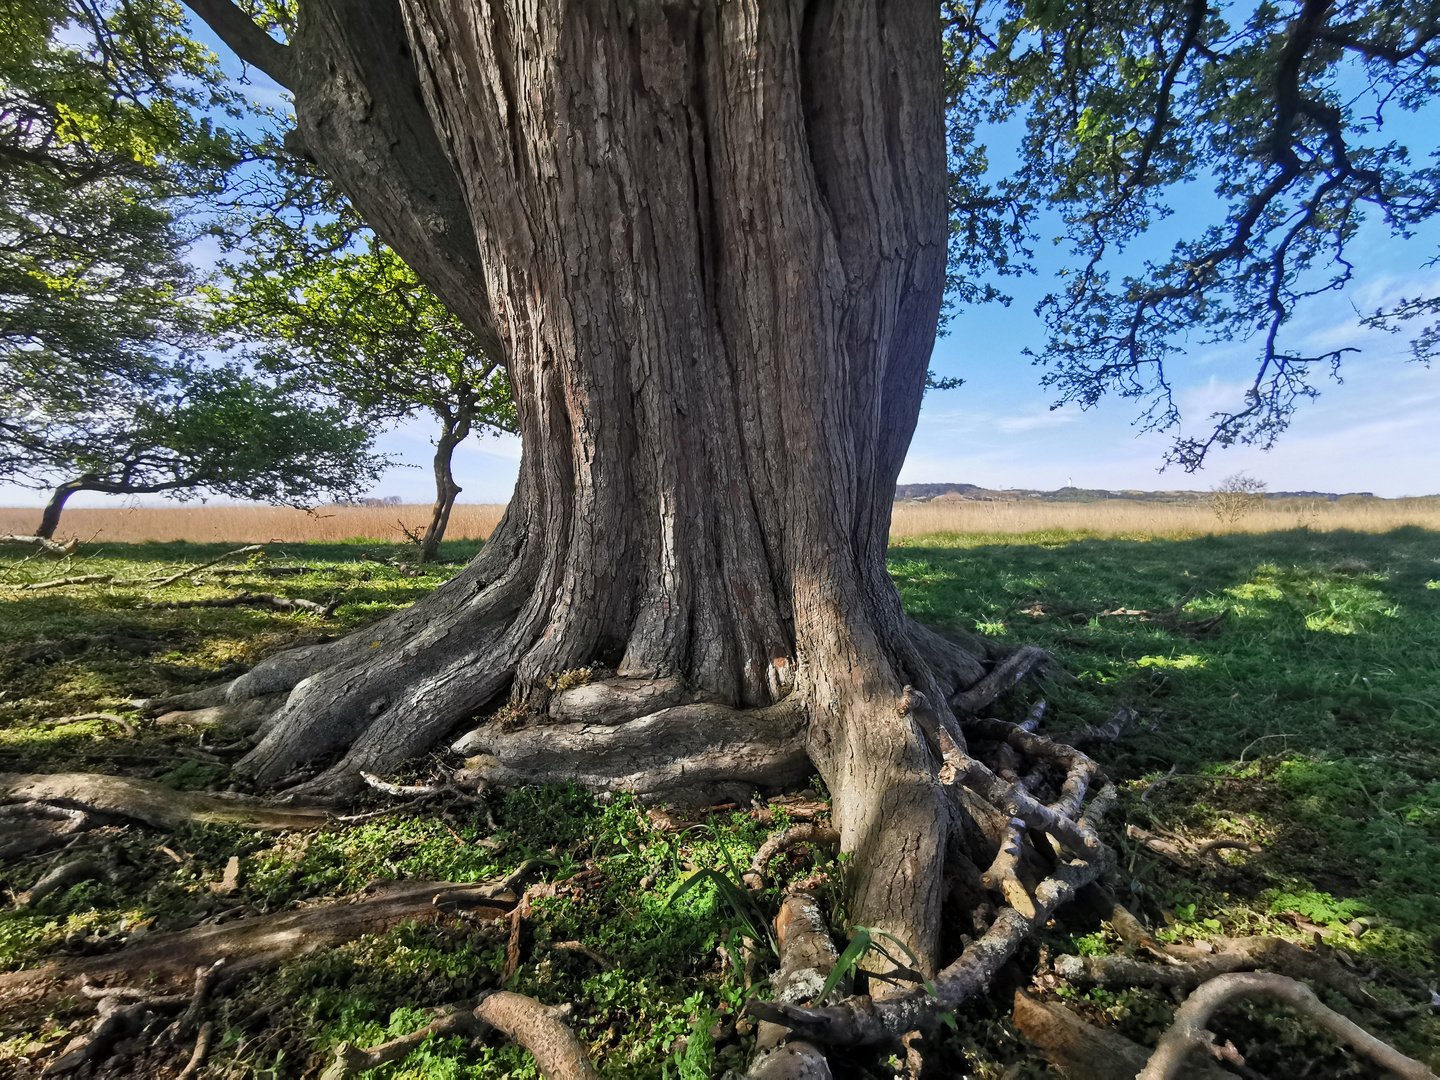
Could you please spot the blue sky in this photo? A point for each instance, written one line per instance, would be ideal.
(1378, 430)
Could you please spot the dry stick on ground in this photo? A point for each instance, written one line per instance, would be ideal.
(249, 599)
(82, 579)
(1188, 1033)
(786, 838)
(400, 790)
(1189, 858)
(119, 721)
(206, 566)
(585, 950)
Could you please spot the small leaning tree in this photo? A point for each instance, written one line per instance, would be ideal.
(318, 300)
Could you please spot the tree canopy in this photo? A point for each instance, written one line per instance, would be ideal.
(1280, 108)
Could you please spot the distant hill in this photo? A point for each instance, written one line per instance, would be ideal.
(976, 493)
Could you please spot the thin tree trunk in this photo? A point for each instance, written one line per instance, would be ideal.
(50, 519)
(456, 429)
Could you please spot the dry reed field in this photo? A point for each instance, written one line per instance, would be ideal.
(255, 524)
(1109, 518)
(1131, 518)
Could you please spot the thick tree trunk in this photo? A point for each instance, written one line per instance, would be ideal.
(455, 430)
(713, 245)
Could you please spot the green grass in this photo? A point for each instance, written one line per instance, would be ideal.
(1309, 724)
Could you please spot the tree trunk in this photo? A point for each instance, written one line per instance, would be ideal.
(713, 242)
(455, 430)
(50, 519)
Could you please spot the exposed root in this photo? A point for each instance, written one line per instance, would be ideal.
(1189, 967)
(1188, 1033)
(1003, 677)
(201, 1051)
(613, 701)
(861, 1021)
(781, 841)
(31, 827)
(1083, 1051)
(1111, 731)
(252, 943)
(239, 720)
(603, 961)
(63, 877)
(807, 956)
(249, 599)
(699, 753)
(558, 1054)
(352, 1060)
(153, 803)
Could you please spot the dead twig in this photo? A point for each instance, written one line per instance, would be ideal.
(407, 791)
(205, 566)
(786, 838)
(585, 950)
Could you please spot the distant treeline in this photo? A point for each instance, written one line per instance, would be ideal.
(975, 493)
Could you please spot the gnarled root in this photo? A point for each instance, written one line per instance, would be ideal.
(1083, 1051)
(1189, 967)
(541, 1029)
(694, 753)
(1188, 1033)
(1065, 831)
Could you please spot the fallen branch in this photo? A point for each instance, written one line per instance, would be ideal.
(205, 566)
(44, 544)
(251, 944)
(82, 579)
(1004, 676)
(585, 950)
(154, 803)
(119, 721)
(1188, 1033)
(249, 599)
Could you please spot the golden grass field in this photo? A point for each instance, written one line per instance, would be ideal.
(1110, 518)
(1128, 517)
(254, 524)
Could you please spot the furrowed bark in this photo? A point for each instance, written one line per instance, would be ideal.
(709, 243)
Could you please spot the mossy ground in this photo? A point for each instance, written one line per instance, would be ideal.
(1309, 725)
